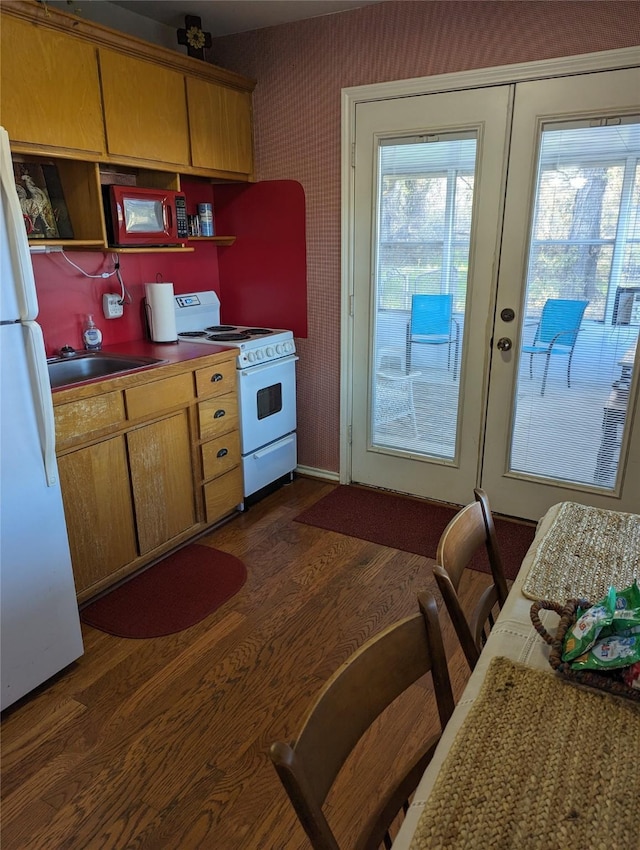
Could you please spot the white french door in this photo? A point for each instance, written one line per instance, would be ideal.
(571, 234)
(490, 203)
(428, 195)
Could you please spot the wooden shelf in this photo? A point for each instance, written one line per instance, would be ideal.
(219, 240)
(66, 243)
(150, 250)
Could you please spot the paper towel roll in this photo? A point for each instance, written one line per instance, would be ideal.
(160, 308)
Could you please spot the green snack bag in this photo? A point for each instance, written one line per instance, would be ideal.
(586, 630)
(626, 616)
(610, 653)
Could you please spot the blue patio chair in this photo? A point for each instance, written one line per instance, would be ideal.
(556, 333)
(432, 323)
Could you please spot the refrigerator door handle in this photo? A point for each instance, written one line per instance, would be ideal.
(41, 387)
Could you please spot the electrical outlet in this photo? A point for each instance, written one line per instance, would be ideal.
(112, 306)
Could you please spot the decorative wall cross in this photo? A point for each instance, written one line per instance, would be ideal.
(193, 36)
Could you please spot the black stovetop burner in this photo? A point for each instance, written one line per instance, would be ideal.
(246, 332)
(226, 333)
(228, 337)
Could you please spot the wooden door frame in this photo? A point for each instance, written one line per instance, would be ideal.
(606, 60)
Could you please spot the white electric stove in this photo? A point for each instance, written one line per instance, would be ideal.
(266, 386)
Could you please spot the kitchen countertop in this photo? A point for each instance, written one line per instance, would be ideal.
(173, 354)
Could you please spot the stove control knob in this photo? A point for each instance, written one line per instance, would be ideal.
(250, 357)
(288, 346)
(259, 354)
(270, 351)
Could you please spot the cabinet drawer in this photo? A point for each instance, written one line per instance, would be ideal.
(218, 416)
(78, 420)
(216, 380)
(159, 395)
(222, 495)
(221, 455)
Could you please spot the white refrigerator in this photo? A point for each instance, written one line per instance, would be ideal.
(39, 622)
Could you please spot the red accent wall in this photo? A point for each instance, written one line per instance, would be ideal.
(261, 278)
(66, 296)
(301, 68)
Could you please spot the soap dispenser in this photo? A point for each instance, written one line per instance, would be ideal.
(92, 335)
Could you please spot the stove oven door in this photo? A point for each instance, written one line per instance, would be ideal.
(267, 402)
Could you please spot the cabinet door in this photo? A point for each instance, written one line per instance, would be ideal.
(145, 110)
(220, 126)
(50, 88)
(162, 480)
(98, 510)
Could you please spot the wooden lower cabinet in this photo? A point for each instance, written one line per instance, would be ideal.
(146, 463)
(98, 510)
(162, 480)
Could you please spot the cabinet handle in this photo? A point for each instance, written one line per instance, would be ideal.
(222, 453)
(216, 377)
(219, 414)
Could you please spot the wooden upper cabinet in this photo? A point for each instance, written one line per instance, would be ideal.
(50, 89)
(145, 110)
(220, 123)
(77, 90)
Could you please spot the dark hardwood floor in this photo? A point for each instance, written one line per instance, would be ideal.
(164, 743)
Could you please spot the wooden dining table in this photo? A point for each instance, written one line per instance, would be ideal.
(530, 760)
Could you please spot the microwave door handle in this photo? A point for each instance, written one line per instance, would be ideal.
(168, 218)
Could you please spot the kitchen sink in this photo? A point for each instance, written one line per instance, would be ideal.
(90, 365)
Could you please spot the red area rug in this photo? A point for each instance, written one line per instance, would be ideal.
(170, 596)
(408, 524)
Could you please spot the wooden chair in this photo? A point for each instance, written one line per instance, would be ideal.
(369, 681)
(469, 530)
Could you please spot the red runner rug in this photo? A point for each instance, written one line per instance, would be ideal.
(170, 596)
(410, 525)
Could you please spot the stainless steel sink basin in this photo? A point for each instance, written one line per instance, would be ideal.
(90, 365)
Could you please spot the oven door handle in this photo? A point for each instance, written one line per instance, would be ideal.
(255, 370)
(272, 448)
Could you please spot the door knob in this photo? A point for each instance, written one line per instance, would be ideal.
(504, 343)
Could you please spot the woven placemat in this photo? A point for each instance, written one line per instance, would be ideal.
(538, 763)
(584, 552)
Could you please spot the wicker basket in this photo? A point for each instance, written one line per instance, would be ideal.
(591, 678)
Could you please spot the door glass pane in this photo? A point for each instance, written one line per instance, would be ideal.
(582, 304)
(424, 214)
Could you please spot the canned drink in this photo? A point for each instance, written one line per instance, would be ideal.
(205, 214)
